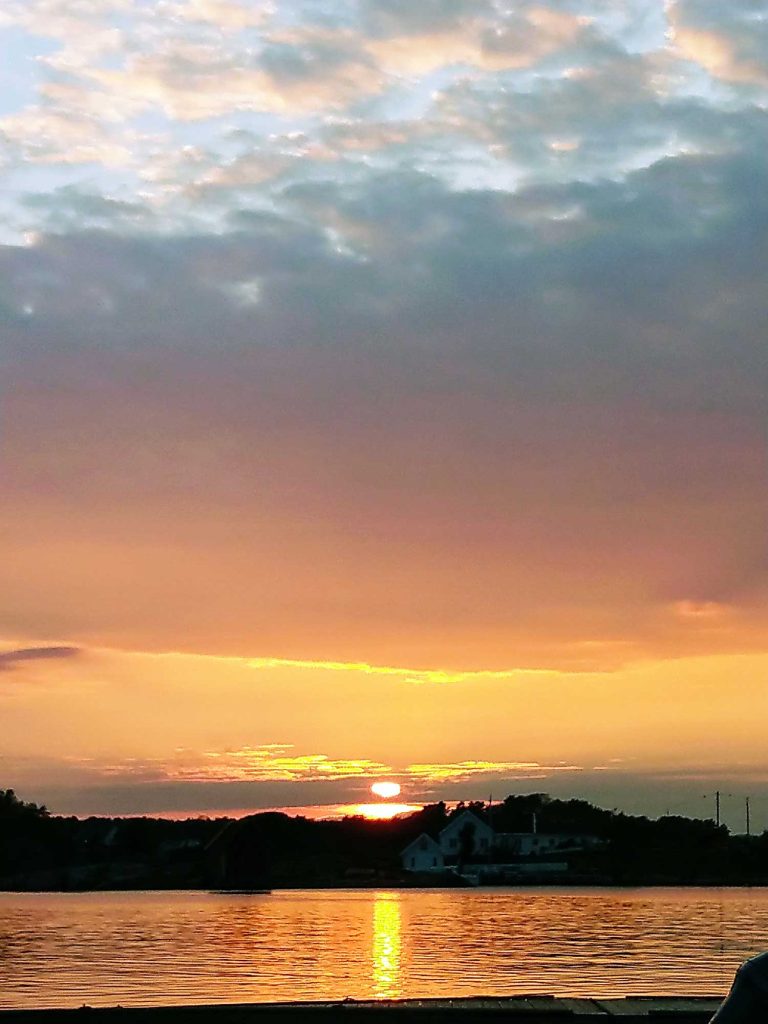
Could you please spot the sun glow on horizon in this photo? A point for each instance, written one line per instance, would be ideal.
(383, 812)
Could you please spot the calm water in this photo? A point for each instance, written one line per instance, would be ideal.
(154, 948)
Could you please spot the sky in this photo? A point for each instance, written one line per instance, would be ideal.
(383, 397)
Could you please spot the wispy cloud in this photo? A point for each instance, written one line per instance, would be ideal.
(279, 763)
(266, 763)
(461, 771)
(362, 668)
(13, 658)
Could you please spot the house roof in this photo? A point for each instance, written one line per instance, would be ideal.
(433, 844)
(465, 814)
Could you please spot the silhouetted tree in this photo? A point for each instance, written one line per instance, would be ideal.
(14, 809)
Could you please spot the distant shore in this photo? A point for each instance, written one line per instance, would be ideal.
(523, 840)
(406, 884)
(541, 1009)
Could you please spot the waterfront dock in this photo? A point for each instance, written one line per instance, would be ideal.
(537, 1009)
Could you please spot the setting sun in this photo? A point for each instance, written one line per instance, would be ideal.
(386, 790)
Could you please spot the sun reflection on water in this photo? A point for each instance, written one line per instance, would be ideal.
(64, 949)
(387, 946)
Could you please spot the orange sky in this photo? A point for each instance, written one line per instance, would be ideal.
(109, 731)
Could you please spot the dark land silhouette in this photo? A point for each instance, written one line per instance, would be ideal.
(42, 851)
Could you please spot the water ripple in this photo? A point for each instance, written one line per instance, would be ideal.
(151, 949)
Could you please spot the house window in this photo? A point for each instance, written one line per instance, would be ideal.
(413, 862)
(434, 862)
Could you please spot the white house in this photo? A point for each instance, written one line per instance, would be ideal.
(423, 854)
(527, 844)
(467, 829)
(467, 837)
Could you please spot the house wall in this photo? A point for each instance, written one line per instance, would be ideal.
(422, 855)
(450, 838)
(423, 860)
(526, 844)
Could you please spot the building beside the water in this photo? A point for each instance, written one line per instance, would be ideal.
(423, 854)
(469, 845)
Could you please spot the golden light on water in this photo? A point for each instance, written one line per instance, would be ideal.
(386, 950)
(386, 790)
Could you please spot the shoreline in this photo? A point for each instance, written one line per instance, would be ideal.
(477, 1010)
(408, 886)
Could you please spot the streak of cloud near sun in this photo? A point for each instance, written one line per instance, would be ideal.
(384, 399)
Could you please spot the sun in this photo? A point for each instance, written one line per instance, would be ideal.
(386, 790)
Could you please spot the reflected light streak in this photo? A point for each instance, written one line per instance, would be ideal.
(386, 959)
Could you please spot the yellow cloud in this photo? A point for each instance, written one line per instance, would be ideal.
(467, 769)
(540, 32)
(193, 80)
(411, 675)
(700, 609)
(264, 763)
(228, 15)
(716, 51)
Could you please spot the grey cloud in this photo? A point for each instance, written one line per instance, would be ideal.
(309, 58)
(157, 797)
(461, 365)
(10, 659)
(618, 113)
(72, 208)
(595, 346)
(106, 289)
(651, 283)
(652, 249)
(710, 13)
(401, 17)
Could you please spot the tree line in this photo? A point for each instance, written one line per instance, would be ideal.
(40, 850)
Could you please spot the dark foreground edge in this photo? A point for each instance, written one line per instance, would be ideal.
(482, 1010)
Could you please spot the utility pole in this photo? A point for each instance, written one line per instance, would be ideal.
(746, 807)
(717, 808)
(490, 822)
